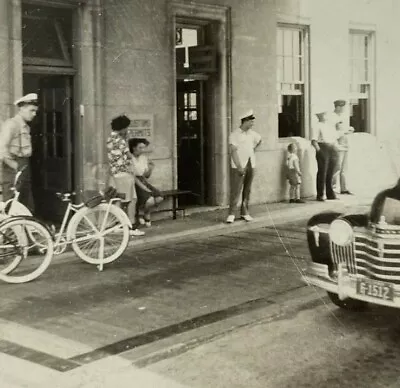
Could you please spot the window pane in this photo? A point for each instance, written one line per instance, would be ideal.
(40, 42)
(291, 119)
(288, 69)
(366, 47)
(279, 42)
(297, 70)
(288, 42)
(280, 68)
(359, 115)
(297, 42)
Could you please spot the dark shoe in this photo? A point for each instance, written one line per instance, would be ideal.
(299, 201)
(320, 199)
(346, 192)
(292, 201)
(331, 198)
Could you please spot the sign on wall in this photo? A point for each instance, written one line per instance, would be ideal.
(142, 126)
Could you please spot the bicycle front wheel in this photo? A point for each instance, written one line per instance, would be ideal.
(26, 250)
(99, 235)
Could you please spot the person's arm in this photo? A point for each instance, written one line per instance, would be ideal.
(233, 151)
(235, 157)
(297, 166)
(149, 170)
(6, 134)
(315, 138)
(257, 140)
(141, 185)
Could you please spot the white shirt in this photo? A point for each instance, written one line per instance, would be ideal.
(245, 143)
(344, 121)
(140, 165)
(325, 133)
(292, 162)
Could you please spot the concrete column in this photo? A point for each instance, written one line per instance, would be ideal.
(91, 134)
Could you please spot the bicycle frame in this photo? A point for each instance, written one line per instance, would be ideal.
(63, 231)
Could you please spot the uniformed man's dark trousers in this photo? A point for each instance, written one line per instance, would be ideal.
(24, 184)
(327, 158)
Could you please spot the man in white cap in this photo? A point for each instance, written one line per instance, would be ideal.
(16, 149)
(341, 121)
(242, 144)
(325, 141)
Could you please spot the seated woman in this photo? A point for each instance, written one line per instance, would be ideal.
(147, 195)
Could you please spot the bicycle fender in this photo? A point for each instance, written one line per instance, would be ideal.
(10, 218)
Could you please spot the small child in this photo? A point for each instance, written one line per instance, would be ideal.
(293, 174)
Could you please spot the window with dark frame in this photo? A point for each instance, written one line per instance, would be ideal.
(361, 79)
(291, 78)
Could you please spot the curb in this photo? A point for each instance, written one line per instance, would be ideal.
(268, 218)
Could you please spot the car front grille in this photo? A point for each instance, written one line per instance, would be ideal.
(379, 260)
(344, 255)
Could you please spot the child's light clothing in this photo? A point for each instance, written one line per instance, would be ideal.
(293, 169)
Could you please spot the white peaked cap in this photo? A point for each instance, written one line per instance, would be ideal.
(248, 115)
(31, 97)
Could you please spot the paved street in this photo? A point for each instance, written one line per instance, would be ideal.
(225, 311)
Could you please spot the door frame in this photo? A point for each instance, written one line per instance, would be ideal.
(88, 54)
(221, 120)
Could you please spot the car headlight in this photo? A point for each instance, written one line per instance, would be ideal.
(341, 232)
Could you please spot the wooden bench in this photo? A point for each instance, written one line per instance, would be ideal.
(174, 195)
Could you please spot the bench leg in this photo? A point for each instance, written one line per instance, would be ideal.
(174, 206)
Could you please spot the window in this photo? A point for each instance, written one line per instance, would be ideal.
(51, 44)
(292, 79)
(361, 80)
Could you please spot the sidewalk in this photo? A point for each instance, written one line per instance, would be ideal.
(200, 224)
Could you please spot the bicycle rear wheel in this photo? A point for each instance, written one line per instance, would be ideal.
(26, 250)
(98, 231)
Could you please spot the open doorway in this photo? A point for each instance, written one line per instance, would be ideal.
(194, 143)
(52, 142)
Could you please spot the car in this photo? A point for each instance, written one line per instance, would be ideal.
(355, 257)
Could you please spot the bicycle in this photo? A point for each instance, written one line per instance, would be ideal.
(95, 221)
(103, 218)
(22, 236)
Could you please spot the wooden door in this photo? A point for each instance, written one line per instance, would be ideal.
(52, 145)
(190, 140)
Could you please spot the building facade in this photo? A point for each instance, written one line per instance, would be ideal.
(184, 71)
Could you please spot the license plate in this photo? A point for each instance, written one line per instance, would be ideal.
(374, 289)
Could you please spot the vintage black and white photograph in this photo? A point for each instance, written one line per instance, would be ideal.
(199, 194)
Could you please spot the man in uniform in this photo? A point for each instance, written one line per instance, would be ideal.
(341, 122)
(242, 144)
(16, 149)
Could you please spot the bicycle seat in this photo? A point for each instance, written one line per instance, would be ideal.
(66, 197)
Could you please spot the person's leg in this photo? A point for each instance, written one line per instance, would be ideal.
(332, 162)
(236, 185)
(297, 191)
(26, 196)
(343, 172)
(8, 177)
(292, 193)
(322, 171)
(247, 182)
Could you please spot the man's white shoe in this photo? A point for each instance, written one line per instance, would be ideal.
(136, 232)
(230, 219)
(247, 217)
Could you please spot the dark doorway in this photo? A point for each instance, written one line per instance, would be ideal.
(192, 141)
(52, 141)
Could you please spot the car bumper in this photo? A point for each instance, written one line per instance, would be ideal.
(345, 286)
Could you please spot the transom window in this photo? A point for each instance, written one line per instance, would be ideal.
(361, 79)
(46, 36)
(292, 78)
